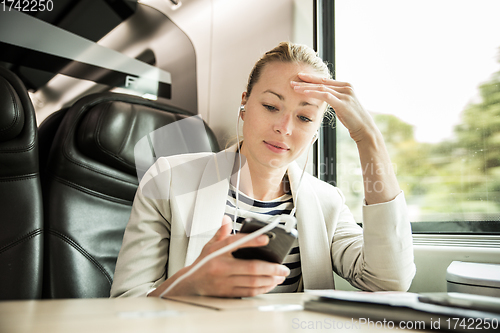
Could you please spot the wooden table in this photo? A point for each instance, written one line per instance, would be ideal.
(261, 314)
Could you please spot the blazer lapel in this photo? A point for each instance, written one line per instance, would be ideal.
(317, 270)
(210, 202)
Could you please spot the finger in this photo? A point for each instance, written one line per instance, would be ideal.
(256, 268)
(225, 229)
(223, 232)
(250, 281)
(336, 90)
(312, 78)
(219, 242)
(325, 94)
(330, 98)
(255, 241)
(261, 240)
(223, 238)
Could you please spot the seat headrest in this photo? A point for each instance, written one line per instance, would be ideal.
(110, 130)
(11, 112)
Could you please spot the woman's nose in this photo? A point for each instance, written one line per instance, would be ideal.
(283, 124)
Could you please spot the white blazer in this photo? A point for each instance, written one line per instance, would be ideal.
(180, 203)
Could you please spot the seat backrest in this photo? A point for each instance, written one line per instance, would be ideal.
(21, 220)
(90, 181)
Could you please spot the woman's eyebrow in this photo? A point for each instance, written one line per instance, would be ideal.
(304, 103)
(274, 93)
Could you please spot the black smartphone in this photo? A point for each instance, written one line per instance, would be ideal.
(280, 242)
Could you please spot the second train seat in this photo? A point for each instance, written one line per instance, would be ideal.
(21, 220)
(90, 180)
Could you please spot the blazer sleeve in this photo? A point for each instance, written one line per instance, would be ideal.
(142, 260)
(378, 256)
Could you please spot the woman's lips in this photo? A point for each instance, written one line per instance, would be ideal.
(277, 147)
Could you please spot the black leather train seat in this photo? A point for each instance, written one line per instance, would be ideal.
(21, 219)
(90, 180)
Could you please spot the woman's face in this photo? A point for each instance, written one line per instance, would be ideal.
(279, 124)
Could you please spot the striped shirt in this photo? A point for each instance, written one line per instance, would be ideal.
(265, 211)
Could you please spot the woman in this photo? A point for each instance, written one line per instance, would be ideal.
(180, 216)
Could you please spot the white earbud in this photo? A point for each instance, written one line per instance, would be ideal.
(242, 108)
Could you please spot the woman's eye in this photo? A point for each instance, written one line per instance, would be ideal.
(305, 119)
(270, 107)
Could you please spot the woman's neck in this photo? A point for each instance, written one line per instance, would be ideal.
(260, 183)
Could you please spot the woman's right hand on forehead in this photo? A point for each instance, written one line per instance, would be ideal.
(226, 276)
(340, 96)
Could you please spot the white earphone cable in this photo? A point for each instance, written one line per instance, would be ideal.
(238, 176)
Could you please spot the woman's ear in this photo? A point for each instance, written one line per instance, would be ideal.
(244, 98)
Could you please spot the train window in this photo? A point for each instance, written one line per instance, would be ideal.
(429, 72)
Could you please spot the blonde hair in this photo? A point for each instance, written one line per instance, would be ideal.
(291, 53)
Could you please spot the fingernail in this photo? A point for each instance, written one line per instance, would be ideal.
(263, 239)
(285, 270)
